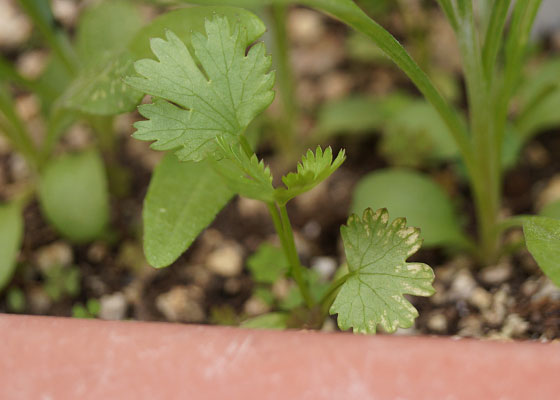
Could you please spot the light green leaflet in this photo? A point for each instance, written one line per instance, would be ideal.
(312, 170)
(379, 275)
(220, 98)
(251, 178)
(245, 175)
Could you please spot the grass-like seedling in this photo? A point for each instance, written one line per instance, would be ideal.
(494, 53)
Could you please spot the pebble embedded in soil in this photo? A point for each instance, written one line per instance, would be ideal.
(324, 266)
(15, 27)
(550, 193)
(496, 274)
(65, 11)
(305, 26)
(437, 323)
(226, 260)
(255, 306)
(463, 285)
(182, 304)
(480, 298)
(113, 306)
(499, 309)
(57, 254)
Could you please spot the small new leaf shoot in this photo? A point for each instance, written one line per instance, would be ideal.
(245, 175)
(313, 169)
(379, 275)
(199, 103)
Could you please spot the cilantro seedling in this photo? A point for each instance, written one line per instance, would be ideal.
(206, 92)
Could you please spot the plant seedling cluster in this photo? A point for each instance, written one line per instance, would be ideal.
(205, 94)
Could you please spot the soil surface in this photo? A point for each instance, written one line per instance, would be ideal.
(210, 282)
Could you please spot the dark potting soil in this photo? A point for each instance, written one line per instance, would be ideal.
(511, 299)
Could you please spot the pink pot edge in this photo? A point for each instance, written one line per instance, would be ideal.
(52, 358)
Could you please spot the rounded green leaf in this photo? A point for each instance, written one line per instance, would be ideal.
(105, 28)
(74, 197)
(542, 236)
(11, 232)
(182, 200)
(417, 198)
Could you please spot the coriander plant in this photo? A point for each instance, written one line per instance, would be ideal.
(207, 85)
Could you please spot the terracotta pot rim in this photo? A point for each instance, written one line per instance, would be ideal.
(47, 357)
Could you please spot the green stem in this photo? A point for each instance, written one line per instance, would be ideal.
(15, 130)
(349, 13)
(41, 15)
(286, 135)
(494, 34)
(328, 298)
(297, 268)
(284, 230)
(485, 181)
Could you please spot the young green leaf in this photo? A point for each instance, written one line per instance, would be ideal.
(220, 98)
(542, 236)
(268, 264)
(410, 193)
(11, 232)
(104, 31)
(100, 90)
(74, 197)
(182, 200)
(379, 275)
(312, 170)
(246, 176)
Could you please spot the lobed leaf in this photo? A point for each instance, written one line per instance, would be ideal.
(379, 275)
(313, 169)
(221, 97)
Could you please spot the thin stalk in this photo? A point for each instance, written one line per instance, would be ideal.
(494, 35)
(284, 231)
(328, 298)
(16, 131)
(41, 15)
(449, 12)
(7, 70)
(293, 258)
(485, 182)
(285, 78)
(349, 13)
